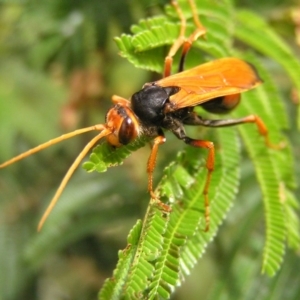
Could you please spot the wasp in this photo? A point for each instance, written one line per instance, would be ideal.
(168, 104)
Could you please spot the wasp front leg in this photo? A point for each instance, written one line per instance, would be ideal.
(152, 162)
(159, 140)
(181, 40)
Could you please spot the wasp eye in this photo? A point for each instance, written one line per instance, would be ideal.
(127, 131)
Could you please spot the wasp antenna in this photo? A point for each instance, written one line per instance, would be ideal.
(68, 175)
(50, 143)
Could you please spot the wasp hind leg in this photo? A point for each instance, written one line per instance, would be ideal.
(179, 132)
(194, 119)
(210, 164)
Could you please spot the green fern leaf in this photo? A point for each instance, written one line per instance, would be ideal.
(104, 156)
(147, 47)
(225, 187)
(292, 220)
(170, 243)
(112, 288)
(149, 249)
(272, 166)
(254, 31)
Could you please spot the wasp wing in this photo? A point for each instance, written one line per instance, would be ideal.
(214, 79)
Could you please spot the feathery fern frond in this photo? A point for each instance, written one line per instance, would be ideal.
(255, 32)
(170, 243)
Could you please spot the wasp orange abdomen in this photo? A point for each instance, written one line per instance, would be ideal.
(222, 105)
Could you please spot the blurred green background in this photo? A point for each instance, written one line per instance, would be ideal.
(59, 67)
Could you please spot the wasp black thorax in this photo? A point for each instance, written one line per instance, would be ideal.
(148, 104)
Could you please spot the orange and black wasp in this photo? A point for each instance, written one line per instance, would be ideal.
(168, 104)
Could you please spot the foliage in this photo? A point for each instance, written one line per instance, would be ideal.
(273, 168)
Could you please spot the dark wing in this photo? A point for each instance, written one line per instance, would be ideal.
(217, 78)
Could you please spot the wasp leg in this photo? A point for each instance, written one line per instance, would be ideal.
(178, 42)
(199, 31)
(194, 119)
(181, 39)
(177, 128)
(159, 140)
(210, 163)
